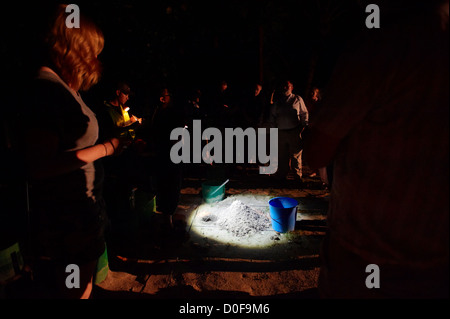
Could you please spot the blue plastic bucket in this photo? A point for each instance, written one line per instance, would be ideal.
(283, 213)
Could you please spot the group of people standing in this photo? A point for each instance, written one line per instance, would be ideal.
(257, 107)
(146, 163)
(222, 108)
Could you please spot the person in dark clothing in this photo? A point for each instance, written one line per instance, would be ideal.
(254, 107)
(126, 172)
(224, 108)
(166, 176)
(194, 109)
(387, 224)
(313, 101)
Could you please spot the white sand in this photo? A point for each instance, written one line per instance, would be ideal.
(242, 220)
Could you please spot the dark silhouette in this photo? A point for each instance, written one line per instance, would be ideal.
(68, 216)
(166, 175)
(388, 138)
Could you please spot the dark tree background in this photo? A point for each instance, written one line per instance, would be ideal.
(187, 44)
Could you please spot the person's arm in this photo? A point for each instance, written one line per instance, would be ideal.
(302, 112)
(45, 160)
(134, 119)
(304, 115)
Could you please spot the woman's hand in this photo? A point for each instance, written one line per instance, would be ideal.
(115, 146)
(136, 119)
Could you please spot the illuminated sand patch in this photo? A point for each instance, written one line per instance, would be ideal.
(238, 220)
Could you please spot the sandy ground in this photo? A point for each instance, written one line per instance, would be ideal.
(209, 263)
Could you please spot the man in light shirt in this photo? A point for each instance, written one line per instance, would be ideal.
(289, 114)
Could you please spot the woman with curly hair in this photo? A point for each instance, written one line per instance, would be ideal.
(60, 142)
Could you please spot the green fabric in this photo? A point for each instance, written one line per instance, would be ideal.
(116, 114)
(102, 267)
(10, 262)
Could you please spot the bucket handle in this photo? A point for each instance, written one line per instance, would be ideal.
(219, 187)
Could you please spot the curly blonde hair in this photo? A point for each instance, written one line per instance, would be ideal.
(73, 51)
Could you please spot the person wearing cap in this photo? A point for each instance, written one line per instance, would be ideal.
(117, 109)
(123, 173)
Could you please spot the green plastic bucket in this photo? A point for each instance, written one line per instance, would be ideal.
(11, 263)
(213, 191)
(102, 267)
(143, 206)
